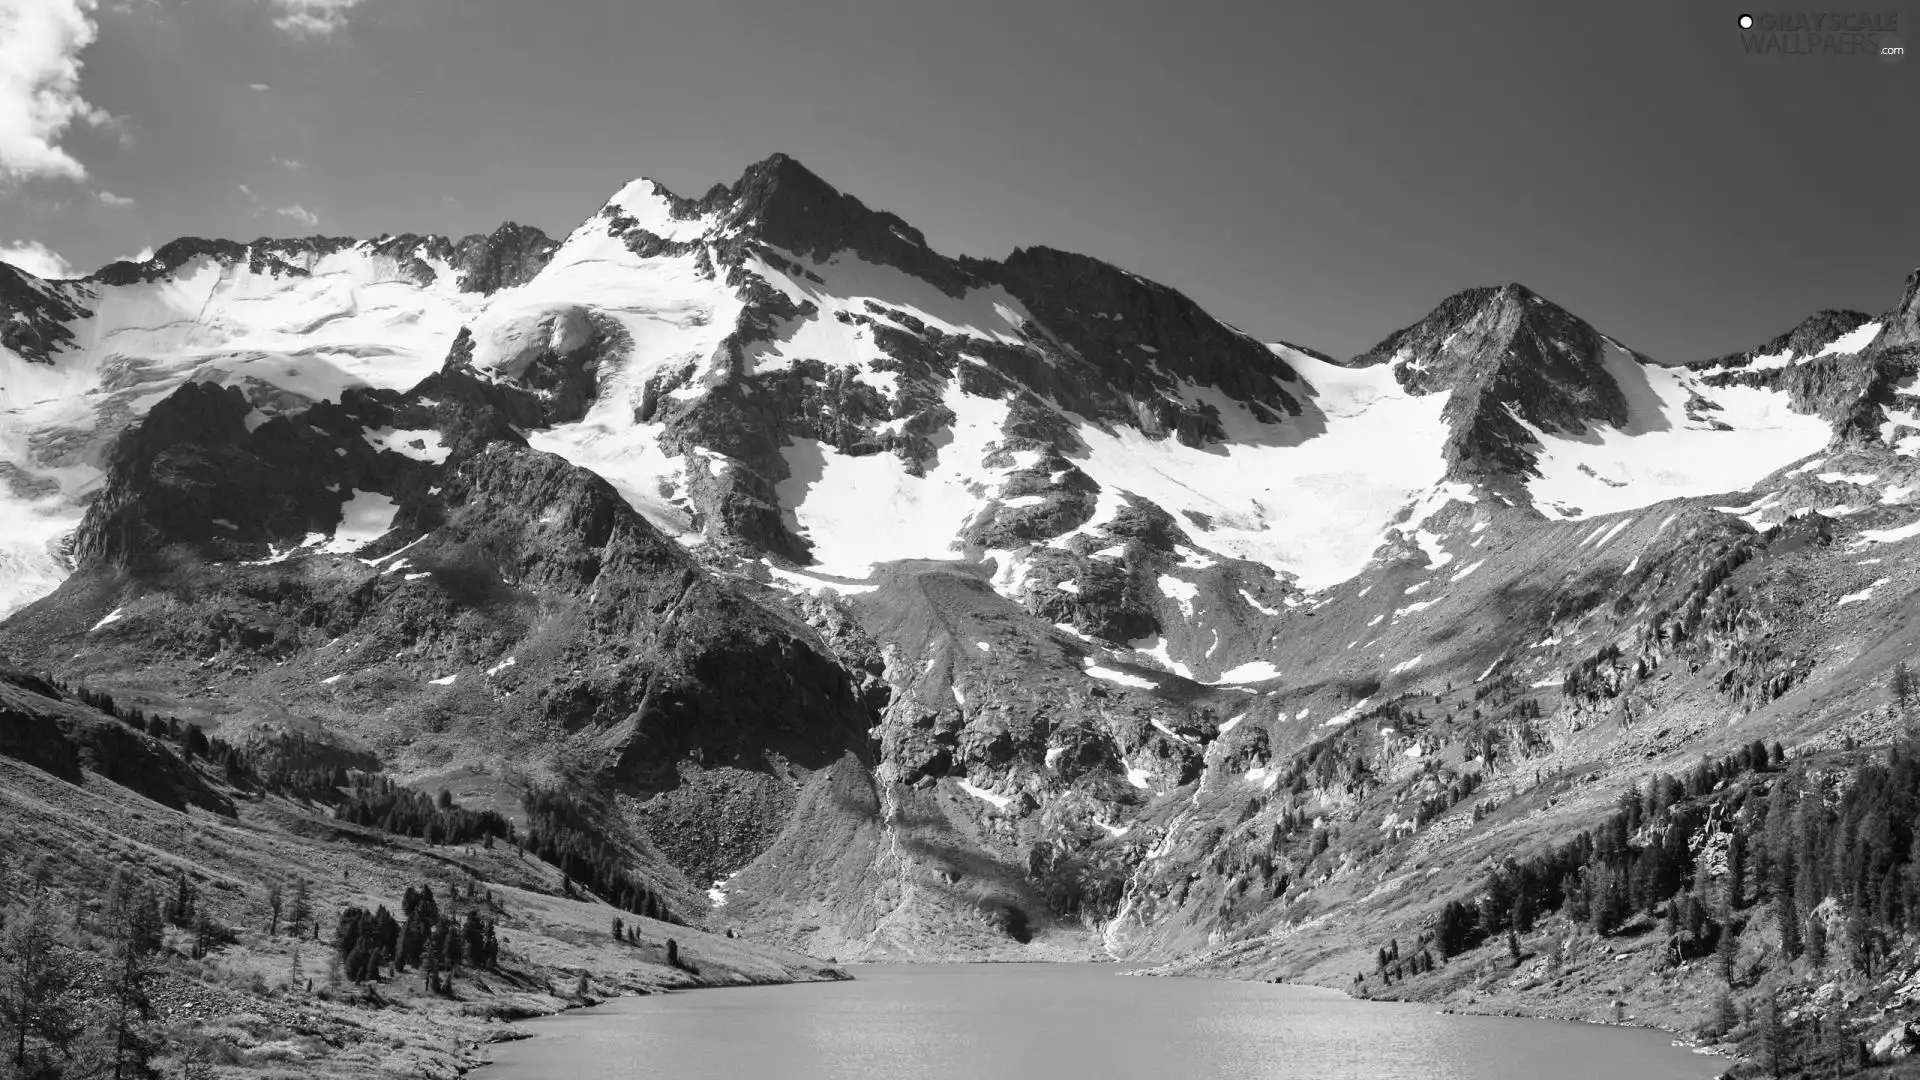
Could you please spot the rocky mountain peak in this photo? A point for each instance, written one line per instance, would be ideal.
(1903, 322)
(510, 256)
(782, 202)
(1480, 333)
(1807, 338)
(1509, 358)
(34, 314)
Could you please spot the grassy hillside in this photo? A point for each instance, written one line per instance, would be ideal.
(237, 994)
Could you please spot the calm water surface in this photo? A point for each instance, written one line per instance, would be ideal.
(1063, 1022)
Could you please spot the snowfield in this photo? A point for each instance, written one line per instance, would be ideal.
(1661, 454)
(1312, 496)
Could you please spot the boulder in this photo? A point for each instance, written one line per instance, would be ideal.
(1899, 1041)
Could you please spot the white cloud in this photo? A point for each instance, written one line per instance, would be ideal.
(40, 45)
(289, 163)
(312, 18)
(36, 258)
(259, 86)
(300, 214)
(245, 190)
(111, 199)
(141, 256)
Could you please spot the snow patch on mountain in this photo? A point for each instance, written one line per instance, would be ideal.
(364, 518)
(1850, 342)
(1252, 671)
(1893, 535)
(419, 445)
(1862, 595)
(1257, 605)
(999, 802)
(859, 511)
(1155, 648)
(1181, 591)
(1111, 675)
(1662, 453)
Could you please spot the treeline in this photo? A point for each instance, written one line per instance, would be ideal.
(560, 832)
(292, 765)
(187, 737)
(1640, 859)
(376, 801)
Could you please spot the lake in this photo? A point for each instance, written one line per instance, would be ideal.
(1053, 1021)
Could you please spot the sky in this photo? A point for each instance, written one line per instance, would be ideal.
(1319, 173)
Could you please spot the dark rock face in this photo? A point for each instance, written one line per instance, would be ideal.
(1858, 395)
(1142, 340)
(193, 473)
(705, 673)
(511, 256)
(34, 314)
(1903, 322)
(1111, 600)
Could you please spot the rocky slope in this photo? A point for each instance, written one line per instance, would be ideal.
(903, 604)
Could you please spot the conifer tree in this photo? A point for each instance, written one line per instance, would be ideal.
(1736, 869)
(1773, 1035)
(1789, 919)
(126, 1044)
(37, 987)
(474, 935)
(300, 909)
(184, 906)
(1727, 948)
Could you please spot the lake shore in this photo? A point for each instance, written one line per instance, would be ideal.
(915, 1021)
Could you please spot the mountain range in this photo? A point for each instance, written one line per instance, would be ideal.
(884, 603)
